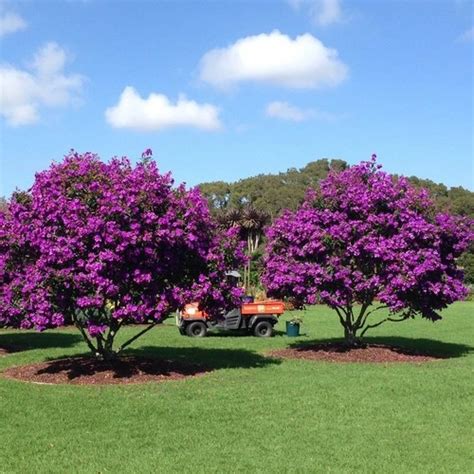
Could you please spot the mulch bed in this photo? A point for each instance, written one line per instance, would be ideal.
(89, 371)
(5, 350)
(374, 353)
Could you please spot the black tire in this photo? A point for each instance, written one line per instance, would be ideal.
(196, 329)
(263, 329)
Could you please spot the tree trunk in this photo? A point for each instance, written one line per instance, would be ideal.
(350, 337)
(107, 355)
(351, 324)
(100, 347)
(103, 348)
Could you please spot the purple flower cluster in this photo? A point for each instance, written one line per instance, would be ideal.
(366, 236)
(104, 244)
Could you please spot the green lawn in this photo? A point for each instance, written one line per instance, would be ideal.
(252, 413)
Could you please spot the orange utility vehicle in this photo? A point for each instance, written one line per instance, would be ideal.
(257, 318)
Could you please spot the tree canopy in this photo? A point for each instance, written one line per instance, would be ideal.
(104, 244)
(365, 237)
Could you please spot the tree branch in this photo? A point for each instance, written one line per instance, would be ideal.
(383, 321)
(113, 329)
(100, 343)
(349, 315)
(84, 335)
(370, 312)
(358, 322)
(341, 319)
(127, 343)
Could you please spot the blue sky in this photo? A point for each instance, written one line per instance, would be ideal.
(226, 89)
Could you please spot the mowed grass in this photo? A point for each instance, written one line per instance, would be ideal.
(252, 413)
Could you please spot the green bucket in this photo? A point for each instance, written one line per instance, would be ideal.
(292, 329)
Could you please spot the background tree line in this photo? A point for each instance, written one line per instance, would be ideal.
(253, 202)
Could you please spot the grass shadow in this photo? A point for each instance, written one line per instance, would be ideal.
(210, 357)
(24, 341)
(403, 345)
(140, 365)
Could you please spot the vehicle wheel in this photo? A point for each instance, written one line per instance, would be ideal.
(196, 329)
(263, 329)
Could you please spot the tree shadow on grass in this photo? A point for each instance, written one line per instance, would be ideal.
(145, 364)
(127, 369)
(23, 341)
(403, 345)
(209, 357)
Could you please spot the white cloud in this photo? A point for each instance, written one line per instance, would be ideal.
(44, 84)
(11, 22)
(322, 12)
(286, 111)
(49, 60)
(303, 62)
(467, 36)
(157, 112)
(326, 12)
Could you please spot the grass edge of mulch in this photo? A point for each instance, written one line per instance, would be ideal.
(370, 353)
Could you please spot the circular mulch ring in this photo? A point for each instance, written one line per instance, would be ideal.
(89, 371)
(5, 350)
(374, 353)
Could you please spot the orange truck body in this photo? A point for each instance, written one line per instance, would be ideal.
(263, 307)
(192, 311)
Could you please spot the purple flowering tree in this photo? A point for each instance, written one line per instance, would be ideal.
(106, 244)
(363, 242)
